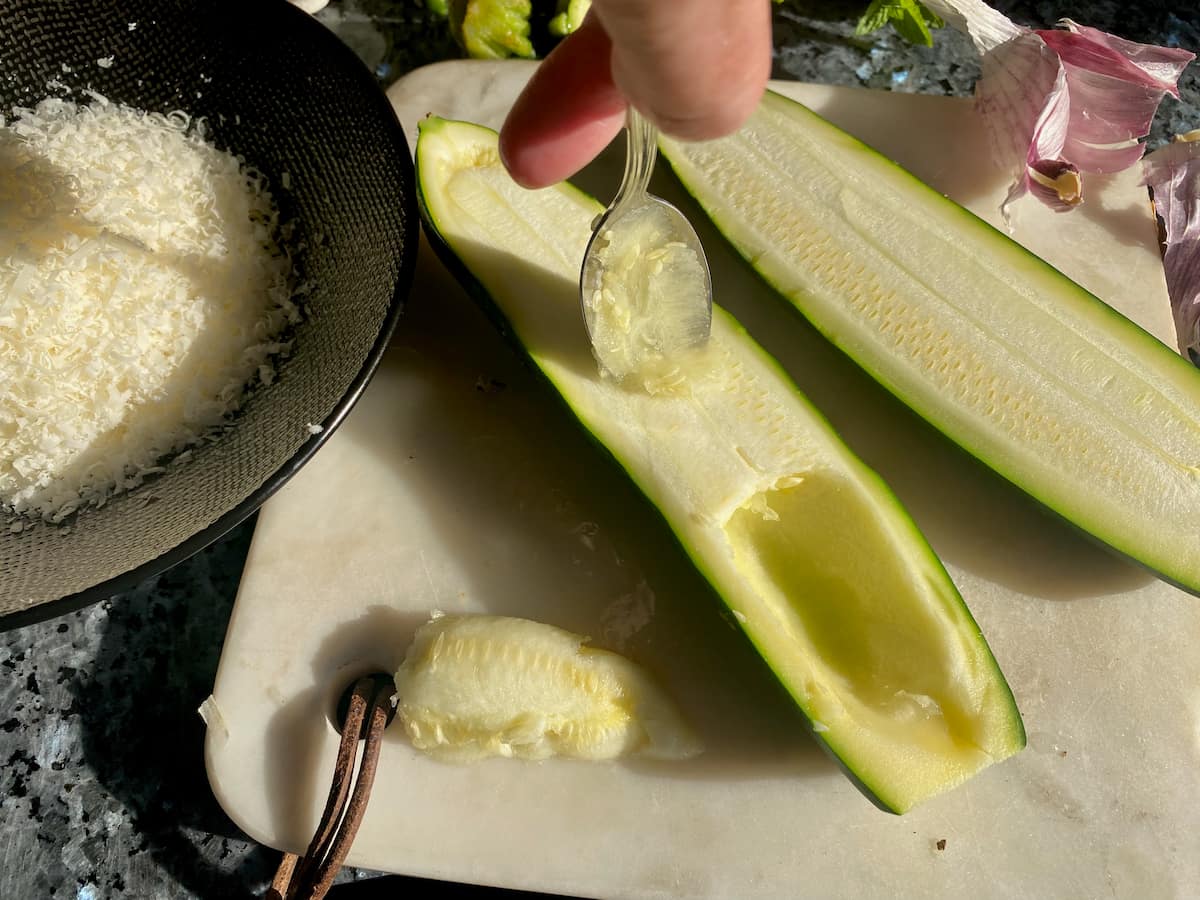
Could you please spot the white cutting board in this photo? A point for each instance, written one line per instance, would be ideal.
(459, 483)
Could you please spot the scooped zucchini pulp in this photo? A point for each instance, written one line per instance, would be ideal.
(477, 686)
(1016, 363)
(824, 570)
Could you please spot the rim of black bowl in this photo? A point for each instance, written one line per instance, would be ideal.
(212, 533)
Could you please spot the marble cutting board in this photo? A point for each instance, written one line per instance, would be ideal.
(457, 483)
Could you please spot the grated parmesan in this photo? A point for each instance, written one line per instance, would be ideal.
(140, 292)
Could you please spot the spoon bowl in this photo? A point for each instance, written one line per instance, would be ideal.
(645, 287)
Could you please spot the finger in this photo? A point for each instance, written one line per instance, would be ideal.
(567, 114)
(696, 68)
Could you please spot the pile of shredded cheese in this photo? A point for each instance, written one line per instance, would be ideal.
(141, 291)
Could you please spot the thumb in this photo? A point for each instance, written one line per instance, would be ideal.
(696, 68)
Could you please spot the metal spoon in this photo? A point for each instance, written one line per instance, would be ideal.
(644, 286)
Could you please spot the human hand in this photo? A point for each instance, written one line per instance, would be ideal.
(695, 68)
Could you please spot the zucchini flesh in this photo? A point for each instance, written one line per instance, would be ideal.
(824, 570)
(1023, 368)
(477, 686)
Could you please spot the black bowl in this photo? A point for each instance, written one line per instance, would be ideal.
(279, 89)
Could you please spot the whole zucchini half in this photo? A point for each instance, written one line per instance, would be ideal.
(1007, 357)
(822, 567)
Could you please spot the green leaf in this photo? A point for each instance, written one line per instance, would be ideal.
(874, 18)
(911, 20)
(913, 29)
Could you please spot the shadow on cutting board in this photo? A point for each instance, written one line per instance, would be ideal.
(374, 642)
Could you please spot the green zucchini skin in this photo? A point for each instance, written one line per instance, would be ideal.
(480, 294)
(1179, 567)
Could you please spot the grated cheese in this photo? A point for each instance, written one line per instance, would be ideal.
(140, 292)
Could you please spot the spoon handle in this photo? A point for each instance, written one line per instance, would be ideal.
(641, 151)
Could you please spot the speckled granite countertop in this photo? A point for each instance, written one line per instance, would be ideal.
(103, 791)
